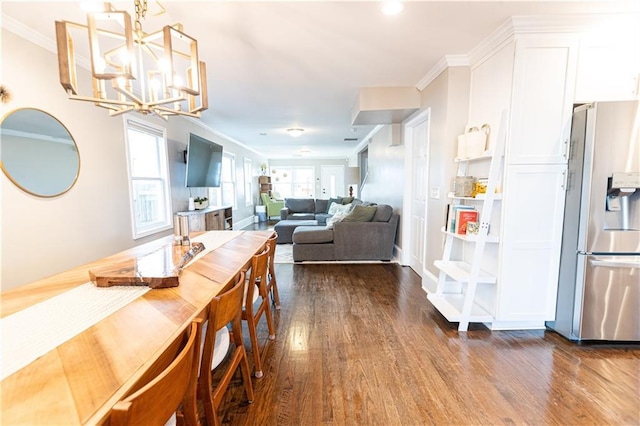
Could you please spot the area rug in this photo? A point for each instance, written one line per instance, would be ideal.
(284, 254)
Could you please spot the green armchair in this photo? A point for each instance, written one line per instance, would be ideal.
(273, 206)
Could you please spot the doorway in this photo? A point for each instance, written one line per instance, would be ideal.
(417, 160)
(332, 182)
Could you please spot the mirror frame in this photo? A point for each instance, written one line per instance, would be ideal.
(22, 187)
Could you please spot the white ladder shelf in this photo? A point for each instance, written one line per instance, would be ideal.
(461, 306)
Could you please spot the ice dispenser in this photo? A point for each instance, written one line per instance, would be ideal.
(623, 191)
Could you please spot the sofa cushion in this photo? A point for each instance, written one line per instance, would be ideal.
(347, 200)
(331, 201)
(322, 218)
(321, 206)
(361, 214)
(301, 205)
(383, 213)
(301, 216)
(312, 235)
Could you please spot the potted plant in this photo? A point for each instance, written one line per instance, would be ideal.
(201, 203)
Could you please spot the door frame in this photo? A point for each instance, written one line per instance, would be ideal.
(409, 125)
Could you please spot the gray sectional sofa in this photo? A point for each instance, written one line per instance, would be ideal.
(369, 235)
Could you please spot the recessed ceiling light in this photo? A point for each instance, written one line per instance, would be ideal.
(295, 132)
(392, 7)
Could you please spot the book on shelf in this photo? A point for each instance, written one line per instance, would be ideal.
(452, 215)
(464, 216)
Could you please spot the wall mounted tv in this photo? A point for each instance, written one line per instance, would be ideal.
(204, 162)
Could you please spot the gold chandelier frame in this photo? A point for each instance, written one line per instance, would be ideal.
(131, 70)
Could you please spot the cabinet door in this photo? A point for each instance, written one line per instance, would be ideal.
(543, 92)
(490, 92)
(196, 222)
(609, 71)
(531, 239)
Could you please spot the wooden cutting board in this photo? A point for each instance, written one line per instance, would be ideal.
(158, 269)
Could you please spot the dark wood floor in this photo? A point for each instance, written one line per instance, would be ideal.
(361, 345)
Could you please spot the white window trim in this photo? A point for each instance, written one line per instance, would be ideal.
(167, 187)
(248, 182)
(233, 181)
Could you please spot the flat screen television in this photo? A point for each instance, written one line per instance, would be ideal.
(204, 162)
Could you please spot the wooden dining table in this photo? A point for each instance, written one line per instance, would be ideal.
(79, 381)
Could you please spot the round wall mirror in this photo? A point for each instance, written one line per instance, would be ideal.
(37, 153)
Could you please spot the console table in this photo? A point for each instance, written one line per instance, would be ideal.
(210, 219)
(80, 380)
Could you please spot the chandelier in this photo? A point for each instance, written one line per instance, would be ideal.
(131, 70)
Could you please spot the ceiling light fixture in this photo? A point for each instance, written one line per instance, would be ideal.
(131, 70)
(392, 7)
(295, 132)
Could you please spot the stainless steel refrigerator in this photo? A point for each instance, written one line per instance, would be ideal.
(599, 280)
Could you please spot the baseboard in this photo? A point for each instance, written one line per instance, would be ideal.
(243, 223)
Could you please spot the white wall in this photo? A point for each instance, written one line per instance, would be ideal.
(448, 99)
(386, 178)
(41, 237)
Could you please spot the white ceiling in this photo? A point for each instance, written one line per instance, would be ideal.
(276, 65)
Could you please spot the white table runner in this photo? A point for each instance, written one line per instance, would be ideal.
(29, 334)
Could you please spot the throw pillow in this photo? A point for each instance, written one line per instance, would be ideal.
(331, 201)
(345, 208)
(334, 207)
(338, 217)
(361, 214)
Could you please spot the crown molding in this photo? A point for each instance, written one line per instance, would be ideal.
(443, 64)
(509, 30)
(39, 39)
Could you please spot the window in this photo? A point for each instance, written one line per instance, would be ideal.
(148, 178)
(248, 183)
(291, 181)
(228, 184)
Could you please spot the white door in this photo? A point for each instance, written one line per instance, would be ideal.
(418, 133)
(332, 182)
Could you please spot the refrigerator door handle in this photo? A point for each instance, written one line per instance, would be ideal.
(615, 263)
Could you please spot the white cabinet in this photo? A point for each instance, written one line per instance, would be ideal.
(609, 62)
(542, 99)
(531, 237)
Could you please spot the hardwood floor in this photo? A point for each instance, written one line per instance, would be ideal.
(361, 345)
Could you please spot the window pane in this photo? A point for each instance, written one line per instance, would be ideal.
(143, 154)
(294, 181)
(149, 201)
(228, 185)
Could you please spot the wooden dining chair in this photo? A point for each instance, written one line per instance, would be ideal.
(272, 285)
(257, 303)
(224, 309)
(175, 387)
